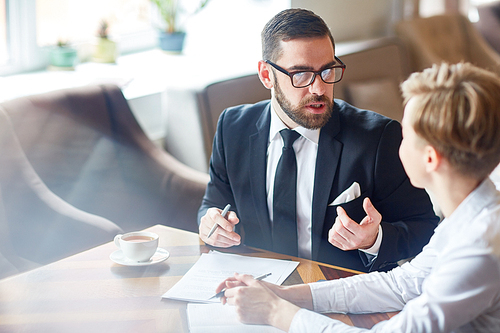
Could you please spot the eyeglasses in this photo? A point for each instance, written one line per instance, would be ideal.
(304, 79)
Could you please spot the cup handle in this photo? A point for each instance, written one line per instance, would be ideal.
(117, 239)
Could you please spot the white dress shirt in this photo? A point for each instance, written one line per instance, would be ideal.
(306, 150)
(453, 285)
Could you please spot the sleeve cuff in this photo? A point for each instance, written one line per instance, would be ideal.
(328, 296)
(373, 251)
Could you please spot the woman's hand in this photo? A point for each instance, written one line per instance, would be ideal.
(256, 302)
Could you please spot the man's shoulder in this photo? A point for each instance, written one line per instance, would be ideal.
(246, 110)
(348, 112)
(242, 118)
(364, 120)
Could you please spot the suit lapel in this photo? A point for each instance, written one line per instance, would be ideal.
(327, 160)
(258, 144)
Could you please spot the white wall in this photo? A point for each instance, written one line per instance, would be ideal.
(353, 19)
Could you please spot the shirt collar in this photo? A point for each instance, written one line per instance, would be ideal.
(277, 125)
(483, 196)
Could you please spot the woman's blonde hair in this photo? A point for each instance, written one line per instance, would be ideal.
(458, 113)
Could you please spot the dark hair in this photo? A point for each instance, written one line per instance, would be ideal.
(290, 24)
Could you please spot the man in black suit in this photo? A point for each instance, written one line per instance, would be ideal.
(353, 204)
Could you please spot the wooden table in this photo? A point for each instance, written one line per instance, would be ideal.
(88, 292)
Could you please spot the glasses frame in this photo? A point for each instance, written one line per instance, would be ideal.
(316, 73)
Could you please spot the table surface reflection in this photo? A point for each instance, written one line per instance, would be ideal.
(88, 292)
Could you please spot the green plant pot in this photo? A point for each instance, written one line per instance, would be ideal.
(105, 51)
(172, 42)
(63, 56)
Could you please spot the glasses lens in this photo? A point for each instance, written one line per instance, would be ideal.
(339, 72)
(328, 75)
(302, 79)
(332, 75)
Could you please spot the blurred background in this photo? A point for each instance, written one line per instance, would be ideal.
(221, 41)
(223, 27)
(112, 105)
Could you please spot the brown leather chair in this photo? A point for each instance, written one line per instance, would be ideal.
(374, 70)
(88, 148)
(451, 38)
(218, 96)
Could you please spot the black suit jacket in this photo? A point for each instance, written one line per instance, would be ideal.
(354, 146)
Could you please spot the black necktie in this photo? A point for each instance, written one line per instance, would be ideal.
(285, 197)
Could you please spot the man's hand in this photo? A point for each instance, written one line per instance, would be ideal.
(346, 234)
(224, 236)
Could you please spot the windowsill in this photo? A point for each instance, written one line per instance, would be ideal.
(138, 74)
(143, 77)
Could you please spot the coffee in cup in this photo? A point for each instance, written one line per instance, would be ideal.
(138, 246)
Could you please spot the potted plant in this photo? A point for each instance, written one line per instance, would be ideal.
(172, 37)
(105, 49)
(63, 56)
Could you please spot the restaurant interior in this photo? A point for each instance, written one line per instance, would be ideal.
(99, 147)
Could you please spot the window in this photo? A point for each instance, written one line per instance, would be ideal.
(468, 8)
(29, 27)
(473, 14)
(78, 21)
(431, 7)
(3, 34)
(229, 27)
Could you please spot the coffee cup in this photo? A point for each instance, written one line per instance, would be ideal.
(138, 246)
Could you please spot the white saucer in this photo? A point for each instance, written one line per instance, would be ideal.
(159, 256)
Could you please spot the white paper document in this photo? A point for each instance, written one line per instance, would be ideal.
(218, 318)
(199, 283)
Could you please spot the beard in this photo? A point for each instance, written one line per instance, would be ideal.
(299, 114)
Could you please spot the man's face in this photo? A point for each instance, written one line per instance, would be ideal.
(312, 106)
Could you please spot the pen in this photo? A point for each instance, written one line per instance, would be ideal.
(258, 278)
(224, 212)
